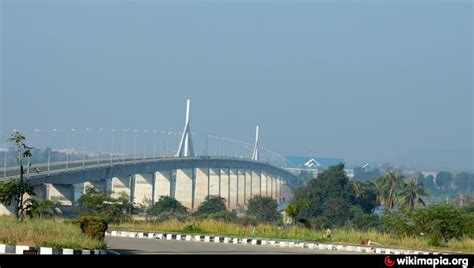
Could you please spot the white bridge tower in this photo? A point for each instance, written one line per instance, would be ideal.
(186, 145)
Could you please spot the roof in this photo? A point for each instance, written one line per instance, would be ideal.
(313, 161)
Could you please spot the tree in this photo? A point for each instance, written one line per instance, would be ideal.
(100, 203)
(263, 209)
(167, 204)
(444, 179)
(41, 208)
(14, 191)
(332, 196)
(429, 183)
(387, 187)
(464, 181)
(293, 209)
(361, 174)
(364, 195)
(212, 204)
(412, 192)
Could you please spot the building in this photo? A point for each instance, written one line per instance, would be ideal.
(311, 164)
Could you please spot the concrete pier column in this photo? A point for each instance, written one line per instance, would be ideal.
(225, 185)
(271, 181)
(248, 185)
(184, 187)
(275, 182)
(263, 183)
(214, 181)
(6, 210)
(99, 185)
(162, 184)
(143, 188)
(256, 183)
(240, 186)
(201, 190)
(62, 194)
(233, 188)
(40, 191)
(278, 190)
(119, 185)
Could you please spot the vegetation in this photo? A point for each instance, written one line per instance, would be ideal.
(214, 207)
(168, 208)
(42, 209)
(55, 233)
(330, 200)
(266, 230)
(13, 191)
(412, 193)
(93, 226)
(95, 202)
(263, 209)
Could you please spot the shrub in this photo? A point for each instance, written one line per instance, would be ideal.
(94, 226)
(224, 215)
(212, 204)
(192, 228)
(263, 209)
(167, 204)
(166, 216)
(441, 222)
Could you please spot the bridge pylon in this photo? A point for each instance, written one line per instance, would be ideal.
(255, 148)
(186, 148)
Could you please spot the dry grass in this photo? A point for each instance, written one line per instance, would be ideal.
(350, 236)
(45, 233)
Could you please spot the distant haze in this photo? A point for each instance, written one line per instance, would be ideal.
(367, 81)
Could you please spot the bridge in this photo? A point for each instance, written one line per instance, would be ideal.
(248, 171)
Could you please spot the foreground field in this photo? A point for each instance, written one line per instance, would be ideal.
(271, 231)
(45, 233)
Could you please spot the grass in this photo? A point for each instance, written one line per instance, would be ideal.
(349, 236)
(54, 233)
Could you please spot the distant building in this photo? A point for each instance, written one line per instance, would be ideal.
(311, 163)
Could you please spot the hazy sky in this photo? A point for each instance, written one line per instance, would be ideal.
(378, 81)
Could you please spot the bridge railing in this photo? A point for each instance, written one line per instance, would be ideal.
(74, 148)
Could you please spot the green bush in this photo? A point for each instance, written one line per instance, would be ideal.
(94, 226)
(363, 221)
(224, 215)
(168, 205)
(264, 209)
(212, 204)
(192, 228)
(167, 216)
(440, 223)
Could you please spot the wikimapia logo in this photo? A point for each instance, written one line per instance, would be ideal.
(427, 261)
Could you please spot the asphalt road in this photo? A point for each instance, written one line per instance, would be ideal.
(133, 246)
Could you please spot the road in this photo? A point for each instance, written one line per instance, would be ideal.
(134, 246)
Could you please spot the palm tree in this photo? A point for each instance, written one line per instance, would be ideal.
(387, 187)
(412, 192)
(41, 208)
(358, 189)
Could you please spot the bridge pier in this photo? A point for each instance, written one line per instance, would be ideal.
(224, 193)
(263, 183)
(163, 180)
(60, 193)
(6, 210)
(214, 181)
(118, 185)
(248, 186)
(184, 192)
(240, 187)
(256, 183)
(233, 188)
(99, 185)
(201, 190)
(143, 188)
